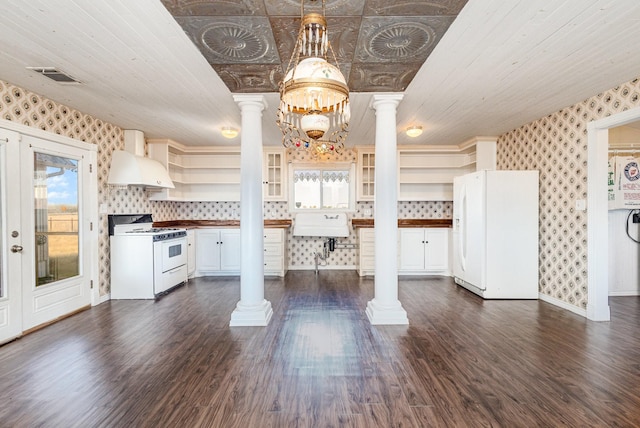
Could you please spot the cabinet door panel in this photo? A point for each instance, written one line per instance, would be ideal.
(207, 250)
(411, 249)
(274, 176)
(437, 249)
(230, 255)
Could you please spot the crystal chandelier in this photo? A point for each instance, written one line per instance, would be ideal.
(314, 111)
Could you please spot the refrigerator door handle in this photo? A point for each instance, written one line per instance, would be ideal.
(463, 227)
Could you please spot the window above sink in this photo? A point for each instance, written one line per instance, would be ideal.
(322, 187)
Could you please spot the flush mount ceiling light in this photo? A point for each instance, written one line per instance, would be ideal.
(229, 132)
(414, 131)
(314, 110)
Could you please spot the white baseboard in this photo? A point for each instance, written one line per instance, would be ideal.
(562, 304)
(624, 293)
(104, 298)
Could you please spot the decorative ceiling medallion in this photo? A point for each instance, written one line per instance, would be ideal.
(234, 43)
(400, 41)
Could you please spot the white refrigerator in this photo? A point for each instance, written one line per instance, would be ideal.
(495, 233)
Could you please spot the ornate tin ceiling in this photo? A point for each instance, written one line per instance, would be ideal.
(379, 45)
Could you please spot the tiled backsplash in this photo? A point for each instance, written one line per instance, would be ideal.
(301, 249)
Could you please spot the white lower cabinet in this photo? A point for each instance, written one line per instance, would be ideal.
(424, 251)
(367, 259)
(217, 252)
(191, 253)
(421, 251)
(275, 252)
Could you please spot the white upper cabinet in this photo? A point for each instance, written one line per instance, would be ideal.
(366, 173)
(274, 176)
(213, 173)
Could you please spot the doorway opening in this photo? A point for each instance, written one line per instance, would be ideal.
(598, 212)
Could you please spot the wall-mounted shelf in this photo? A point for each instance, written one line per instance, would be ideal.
(198, 173)
(427, 175)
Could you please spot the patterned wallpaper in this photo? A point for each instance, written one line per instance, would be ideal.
(556, 145)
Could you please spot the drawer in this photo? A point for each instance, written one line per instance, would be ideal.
(272, 264)
(171, 279)
(368, 249)
(273, 235)
(273, 250)
(368, 263)
(367, 235)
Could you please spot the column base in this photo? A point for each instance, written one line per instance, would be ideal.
(251, 315)
(386, 314)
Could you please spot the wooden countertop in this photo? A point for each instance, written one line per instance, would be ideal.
(286, 223)
(219, 223)
(407, 222)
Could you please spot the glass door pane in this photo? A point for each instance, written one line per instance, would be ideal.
(56, 218)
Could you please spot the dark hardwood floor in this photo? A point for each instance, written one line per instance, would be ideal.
(461, 362)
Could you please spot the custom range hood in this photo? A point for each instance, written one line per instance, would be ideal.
(131, 167)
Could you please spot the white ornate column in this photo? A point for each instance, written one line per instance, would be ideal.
(252, 309)
(385, 308)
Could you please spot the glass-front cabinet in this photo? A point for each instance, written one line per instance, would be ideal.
(274, 176)
(366, 173)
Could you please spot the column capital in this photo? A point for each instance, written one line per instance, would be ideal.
(393, 98)
(251, 99)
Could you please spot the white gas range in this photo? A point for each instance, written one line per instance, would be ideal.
(145, 261)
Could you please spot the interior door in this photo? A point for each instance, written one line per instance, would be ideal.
(55, 223)
(10, 237)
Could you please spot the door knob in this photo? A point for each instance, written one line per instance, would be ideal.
(16, 249)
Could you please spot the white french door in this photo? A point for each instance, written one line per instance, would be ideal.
(10, 238)
(47, 238)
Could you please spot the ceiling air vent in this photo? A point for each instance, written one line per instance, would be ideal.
(56, 75)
